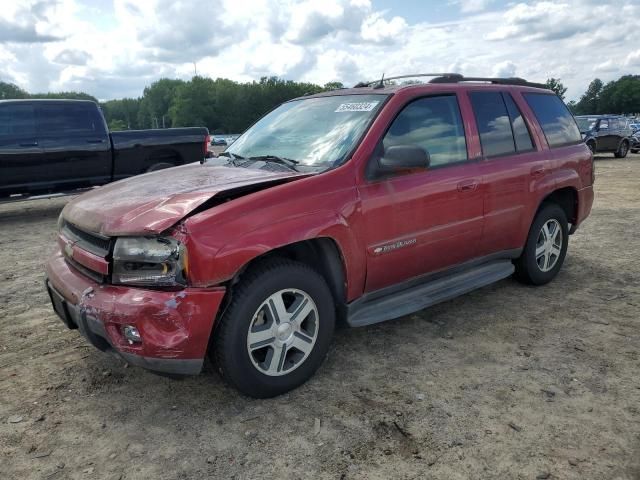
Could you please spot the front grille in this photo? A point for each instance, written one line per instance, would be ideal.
(91, 242)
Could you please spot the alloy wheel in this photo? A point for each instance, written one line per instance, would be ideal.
(549, 245)
(282, 332)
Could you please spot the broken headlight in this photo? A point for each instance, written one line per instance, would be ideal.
(149, 261)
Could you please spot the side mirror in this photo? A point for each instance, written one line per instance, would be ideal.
(403, 157)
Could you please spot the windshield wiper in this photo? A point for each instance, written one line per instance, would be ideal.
(232, 157)
(288, 162)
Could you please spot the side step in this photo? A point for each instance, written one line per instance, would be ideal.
(394, 305)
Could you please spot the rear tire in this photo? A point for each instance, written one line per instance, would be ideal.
(546, 246)
(277, 329)
(622, 151)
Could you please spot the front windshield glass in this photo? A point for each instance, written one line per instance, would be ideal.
(585, 124)
(315, 132)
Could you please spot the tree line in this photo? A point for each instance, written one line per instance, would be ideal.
(226, 106)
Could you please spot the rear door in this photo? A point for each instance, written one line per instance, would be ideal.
(74, 139)
(605, 134)
(20, 155)
(422, 221)
(509, 163)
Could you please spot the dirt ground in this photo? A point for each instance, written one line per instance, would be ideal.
(507, 382)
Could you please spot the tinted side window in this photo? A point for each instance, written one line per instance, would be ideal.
(433, 123)
(17, 120)
(557, 123)
(493, 123)
(61, 119)
(520, 131)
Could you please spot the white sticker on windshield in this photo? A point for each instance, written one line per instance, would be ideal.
(356, 107)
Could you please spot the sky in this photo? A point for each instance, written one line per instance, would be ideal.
(114, 48)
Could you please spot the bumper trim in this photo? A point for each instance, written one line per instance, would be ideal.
(93, 330)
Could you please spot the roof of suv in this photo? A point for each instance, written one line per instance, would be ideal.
(439, 79)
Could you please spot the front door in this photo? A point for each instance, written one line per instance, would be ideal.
(423, 221)
(20, 155)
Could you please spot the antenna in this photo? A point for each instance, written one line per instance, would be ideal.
(380, 84)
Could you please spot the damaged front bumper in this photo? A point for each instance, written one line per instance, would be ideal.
(174, 326)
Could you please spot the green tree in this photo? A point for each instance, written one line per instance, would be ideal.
(156, 101)
(589, 101)
(10, 91)
(116, 125)
(333, 85)
(125, 110)
(621, 96)
(556, 85)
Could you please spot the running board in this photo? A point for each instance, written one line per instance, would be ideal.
(394, 305)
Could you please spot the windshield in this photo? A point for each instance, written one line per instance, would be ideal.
(585, 124)
(315, 132)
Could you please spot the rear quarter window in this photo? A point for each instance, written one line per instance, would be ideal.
(556, 121)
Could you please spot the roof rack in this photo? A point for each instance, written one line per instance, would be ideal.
(455, 78)
(499, 81)
(380, 83)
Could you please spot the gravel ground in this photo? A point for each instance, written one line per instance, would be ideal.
(506, 382)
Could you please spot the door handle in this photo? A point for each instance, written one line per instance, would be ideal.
(29, 144)
(467, 186)
(95, 140)
(537, 172)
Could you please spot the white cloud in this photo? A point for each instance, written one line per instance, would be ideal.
(504, 69)
(113, 49)
(472, 6)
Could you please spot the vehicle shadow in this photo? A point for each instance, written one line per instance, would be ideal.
(30, 211)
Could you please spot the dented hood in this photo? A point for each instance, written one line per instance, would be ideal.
(153, 202)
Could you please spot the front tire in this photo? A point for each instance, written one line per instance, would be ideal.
(546, 247)
(277, 329)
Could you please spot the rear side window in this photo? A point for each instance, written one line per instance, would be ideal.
(520, 131)
(433, 123)
(64, 118)
(557, 123)
(493, 123)
(17, 120)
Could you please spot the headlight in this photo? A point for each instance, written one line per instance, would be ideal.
(149, 261)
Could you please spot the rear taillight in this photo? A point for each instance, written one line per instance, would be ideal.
(205, 147)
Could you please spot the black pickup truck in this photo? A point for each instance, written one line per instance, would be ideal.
(60, 145)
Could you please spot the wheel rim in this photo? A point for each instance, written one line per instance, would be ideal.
(282, 332)
(549, 245)
(623, 149)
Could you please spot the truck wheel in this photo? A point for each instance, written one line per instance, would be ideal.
(159, 166)
(622, 151)
(277, 329)
(546, 247)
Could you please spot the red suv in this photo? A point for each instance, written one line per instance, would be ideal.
(360, 205)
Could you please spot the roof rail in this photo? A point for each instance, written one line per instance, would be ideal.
(499, 81)
(382, 80)
(455, 78)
